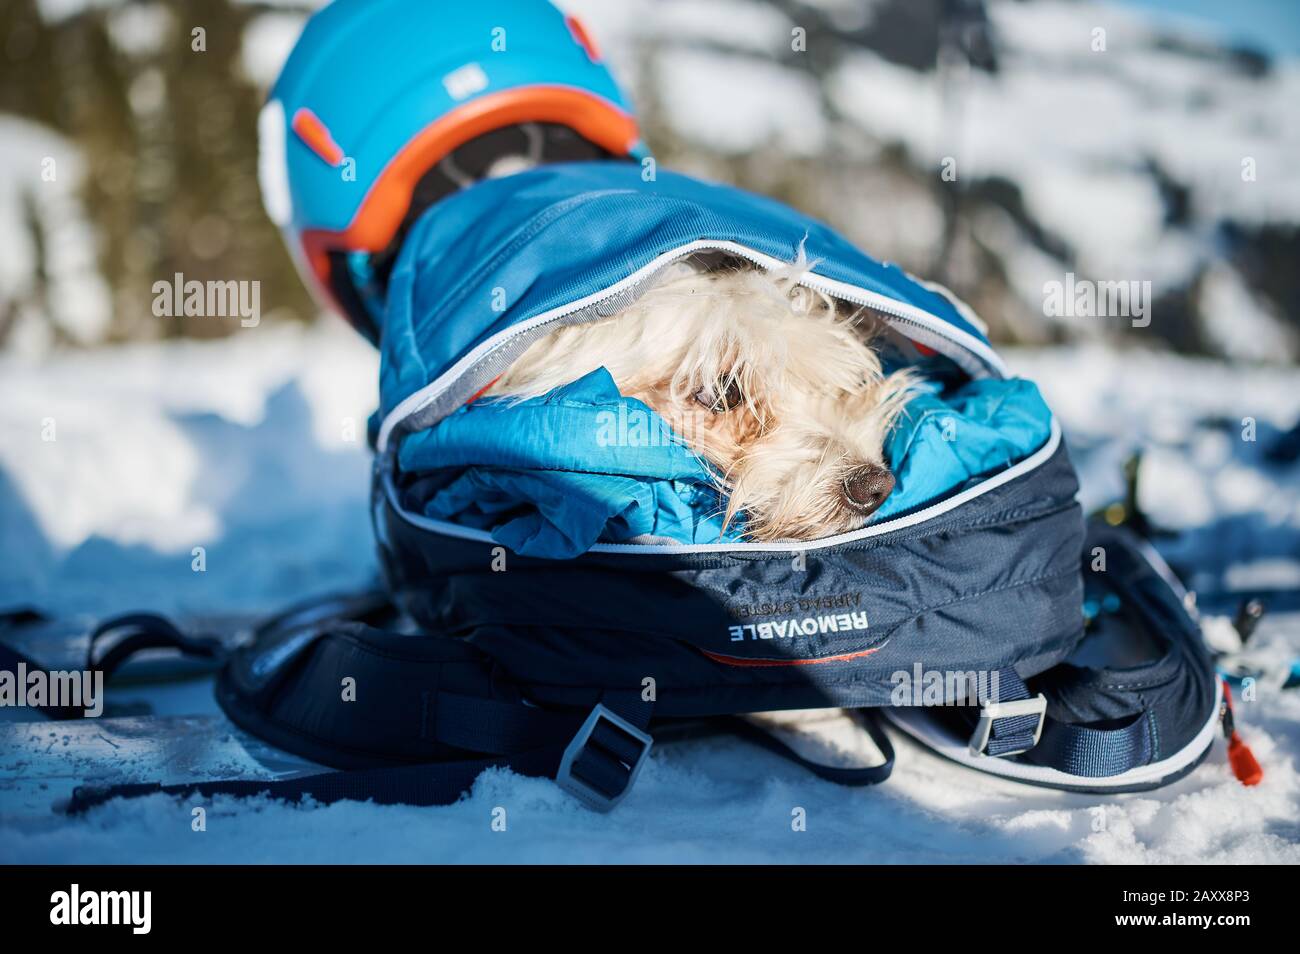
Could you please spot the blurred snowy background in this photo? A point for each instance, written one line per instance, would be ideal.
(1128, 141)
(1169, 156)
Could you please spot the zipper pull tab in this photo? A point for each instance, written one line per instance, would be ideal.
(1244, 764)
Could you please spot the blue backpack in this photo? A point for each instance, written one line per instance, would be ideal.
(559, 629)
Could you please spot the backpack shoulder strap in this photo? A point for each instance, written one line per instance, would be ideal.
(598, 764)
(1137, 707)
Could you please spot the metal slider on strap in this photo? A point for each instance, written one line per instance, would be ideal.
(992, 712)
(602, 762)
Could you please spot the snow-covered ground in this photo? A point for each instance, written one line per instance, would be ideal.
(253, 448)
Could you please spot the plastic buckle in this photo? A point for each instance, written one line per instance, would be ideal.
(993, 711)
(582, 787)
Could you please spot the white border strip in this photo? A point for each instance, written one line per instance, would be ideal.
(1032, 462)
(416, 401)
(913, 721)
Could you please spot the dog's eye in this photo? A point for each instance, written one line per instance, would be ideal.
(719, 399)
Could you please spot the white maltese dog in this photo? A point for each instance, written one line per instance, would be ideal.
(761, 377)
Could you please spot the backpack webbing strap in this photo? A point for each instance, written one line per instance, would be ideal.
(840, 775)
(138, 631)
(1006, 729)
(434, 783)
(11, 660)
(128, 634)
(598, 764)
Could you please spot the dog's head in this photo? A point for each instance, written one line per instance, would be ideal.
(763, 379)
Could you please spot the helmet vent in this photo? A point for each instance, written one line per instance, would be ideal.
(314, 133)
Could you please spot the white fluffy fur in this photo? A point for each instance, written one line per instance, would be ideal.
(809, 403)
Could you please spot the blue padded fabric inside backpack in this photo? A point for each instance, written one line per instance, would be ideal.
(551, 476)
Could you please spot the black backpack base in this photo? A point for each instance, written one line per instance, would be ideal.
(1133, 707)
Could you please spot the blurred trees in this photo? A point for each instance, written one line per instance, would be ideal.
(165, 121)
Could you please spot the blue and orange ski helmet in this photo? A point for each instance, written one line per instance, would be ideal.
(378, 94)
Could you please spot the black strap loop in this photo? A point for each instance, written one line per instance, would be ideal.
(840, 775)
(140, 631)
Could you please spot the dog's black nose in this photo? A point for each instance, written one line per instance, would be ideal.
(867, 487)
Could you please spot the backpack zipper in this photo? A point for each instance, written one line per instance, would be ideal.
(897, 313)
(901, 522)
